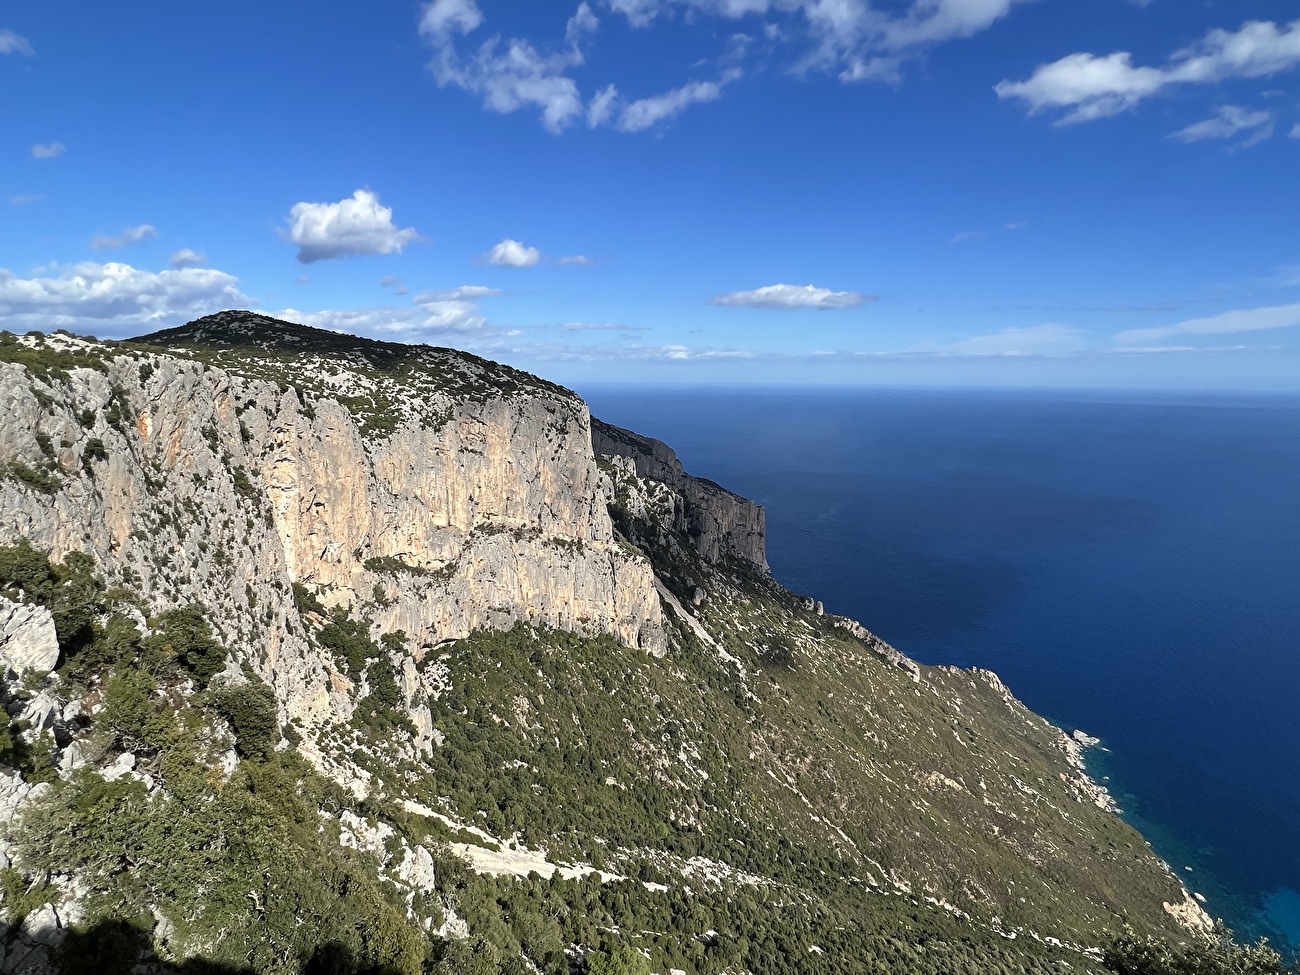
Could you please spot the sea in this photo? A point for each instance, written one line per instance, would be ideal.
(1129, 563)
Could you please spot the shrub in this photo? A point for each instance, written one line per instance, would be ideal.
(251, 710)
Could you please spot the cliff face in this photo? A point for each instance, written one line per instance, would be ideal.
(720, 524)
(195, 483)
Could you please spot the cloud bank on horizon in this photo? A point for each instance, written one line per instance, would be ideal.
(887, 184)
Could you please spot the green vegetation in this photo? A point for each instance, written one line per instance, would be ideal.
(44, 359)
(1220, 955)
(383, 383)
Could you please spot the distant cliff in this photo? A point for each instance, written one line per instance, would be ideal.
(720, 524)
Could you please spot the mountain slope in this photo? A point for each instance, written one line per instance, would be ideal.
(389, 602)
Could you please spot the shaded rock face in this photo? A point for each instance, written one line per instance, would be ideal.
(197, 484)
(721, 524)
(27, 638)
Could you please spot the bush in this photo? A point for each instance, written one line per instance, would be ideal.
(184, 636)
(251, 711)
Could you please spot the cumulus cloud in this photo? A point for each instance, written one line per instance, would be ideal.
(114, 295)
(1227, 122)
(1086, 86)
(783, 296)
(511, 253)
(188, 258)
(11, 43)
(430, 313)
(1227, 323)
(128, 236)
(48, 151)
(355, 226)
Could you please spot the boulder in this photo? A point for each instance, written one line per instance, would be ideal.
(27, 638)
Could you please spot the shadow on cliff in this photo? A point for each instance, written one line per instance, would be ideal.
(119, 947)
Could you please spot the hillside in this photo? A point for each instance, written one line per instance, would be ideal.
(333, 655)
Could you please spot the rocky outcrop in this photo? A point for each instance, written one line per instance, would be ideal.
(28, 640)
(722, 525)
(226, 486)
(879, 646)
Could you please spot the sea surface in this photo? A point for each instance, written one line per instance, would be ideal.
(1128, 563)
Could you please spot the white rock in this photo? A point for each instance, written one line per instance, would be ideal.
(27, 638)
(73, 757)
(125, 764)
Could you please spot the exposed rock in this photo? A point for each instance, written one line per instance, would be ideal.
(476, 510)
(878, 646)
(721, 524)
(27, 638)
(124, 764)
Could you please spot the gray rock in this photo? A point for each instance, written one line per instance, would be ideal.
(73, 757)
(40, 712)
(124, 765)
(41, 927)
(27, 638)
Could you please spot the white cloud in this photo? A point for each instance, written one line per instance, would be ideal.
(1226, 123)
(966, 235)
(1295, 131)
(792, 296)
(511, 78)
(511, 253)
(1086, 87)
(647, 112)
(128, 236)
(188, 258)
(576, 259)
(114, 295)
(11, 43)
(358, 225)
(854, 39)
(930, 21)
(601, 107)
(1018, 225)
(388, 280)
(444, 17)
(1041, 340)
(602, 327)
(1227, 323)
(466, 292)
(49, 151)
(430, 313)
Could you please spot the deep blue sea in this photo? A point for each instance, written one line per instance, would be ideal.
(1129, 564)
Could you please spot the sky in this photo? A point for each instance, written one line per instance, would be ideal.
(938, 192)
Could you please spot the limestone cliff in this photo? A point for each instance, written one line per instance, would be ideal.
(468, 499)
(721, 524)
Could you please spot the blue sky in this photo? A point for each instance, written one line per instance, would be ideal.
(1003, 192)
